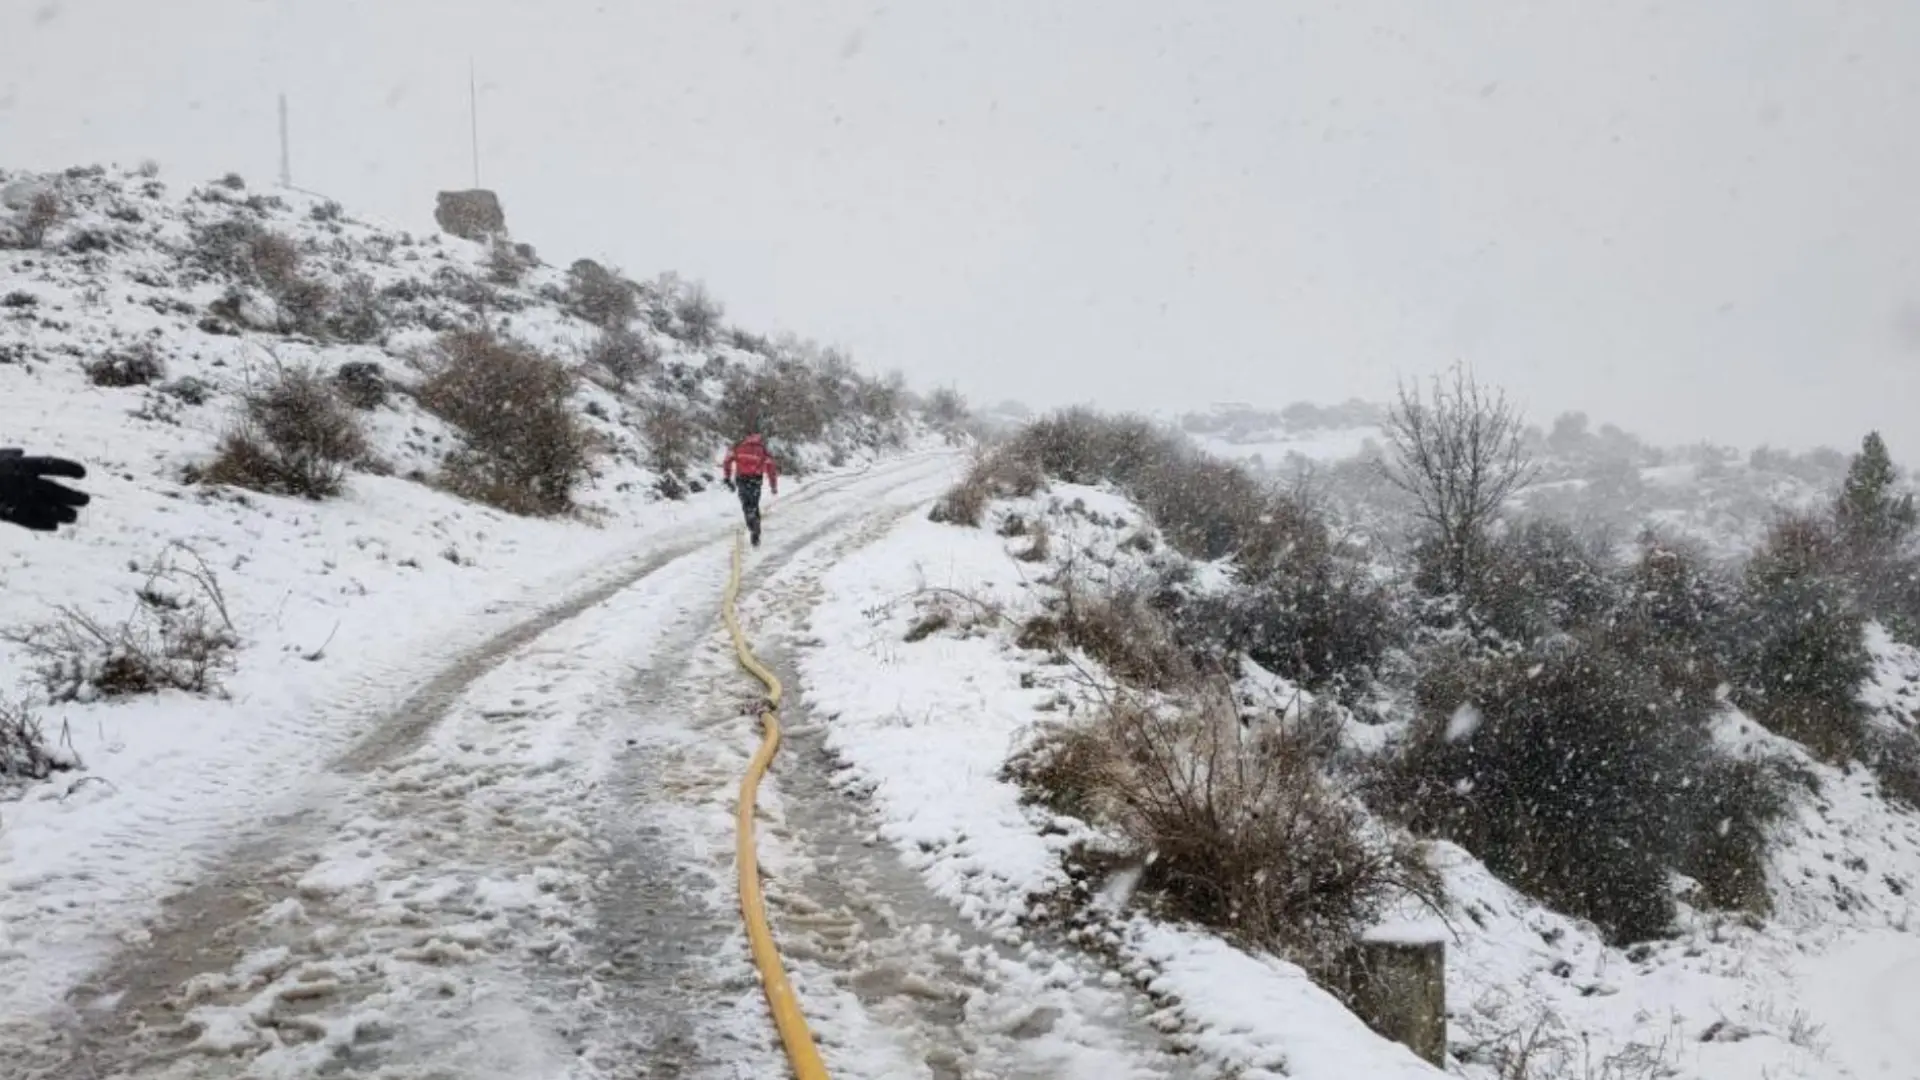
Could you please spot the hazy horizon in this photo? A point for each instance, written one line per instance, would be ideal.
(1689, 223)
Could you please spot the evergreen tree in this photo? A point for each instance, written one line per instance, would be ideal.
(1798, 653)
(1873, 520)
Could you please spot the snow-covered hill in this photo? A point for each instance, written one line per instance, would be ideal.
(950, 685)
(134, 320)
(1718, 497)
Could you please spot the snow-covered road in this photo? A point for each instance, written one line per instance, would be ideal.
(524, 872)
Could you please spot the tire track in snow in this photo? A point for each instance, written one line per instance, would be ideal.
(261, 967)
(895, 980)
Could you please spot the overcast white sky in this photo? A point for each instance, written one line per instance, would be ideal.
(1694, 219)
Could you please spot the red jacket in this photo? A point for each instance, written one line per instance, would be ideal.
(750, 458)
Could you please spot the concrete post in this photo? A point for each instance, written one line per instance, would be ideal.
(1397, 984)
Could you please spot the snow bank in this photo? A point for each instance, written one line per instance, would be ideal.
(924, 729)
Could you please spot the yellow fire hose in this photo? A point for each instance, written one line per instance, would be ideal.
(794, 1035)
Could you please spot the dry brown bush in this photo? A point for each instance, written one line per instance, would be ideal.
(43, 212)
(179, 636)
(523, 449)
(623, 354)
(1005, 472)
(24, 752)
(136, 365)
(1235, 827)
(295, 436)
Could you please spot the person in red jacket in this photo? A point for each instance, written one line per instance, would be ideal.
(742, 471)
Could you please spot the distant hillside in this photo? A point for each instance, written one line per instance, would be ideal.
(1602, 476)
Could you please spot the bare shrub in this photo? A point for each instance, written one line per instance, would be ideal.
(947, 410)
(24, 753)
(1114, 625)
(779, 398)
(1039, 544)
(188, 390)
(996, 474)
(295, 437)
(246, 251)
(601, 296)
(1064, 767)
(43, 212)
(523, 450)
(699, 314)
(623, 354)
(1081, 446)
(1895, 757)
(508, 264)
(964, 504)
(359, 314)
(674, 437)
(1237, 828)
(225, 247)
(1207, 508)
(1458, 454)
(136, 365)
(177, 637)
(274, 260)
(361, 384)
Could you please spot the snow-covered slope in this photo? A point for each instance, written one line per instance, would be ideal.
(340, 608)
(927, 693)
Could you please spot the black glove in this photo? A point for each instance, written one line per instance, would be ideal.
(729, 482)
(30, 500)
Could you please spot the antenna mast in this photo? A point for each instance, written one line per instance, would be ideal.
(473, 112)
(286, 157)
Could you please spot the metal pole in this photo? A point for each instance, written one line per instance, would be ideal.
(286, 155)
(473, 111)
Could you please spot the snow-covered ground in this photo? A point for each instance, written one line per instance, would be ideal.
(924, 728)
(463, 806)
(923, 723)
(340, 609)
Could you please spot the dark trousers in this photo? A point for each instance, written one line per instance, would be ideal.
(749, 488)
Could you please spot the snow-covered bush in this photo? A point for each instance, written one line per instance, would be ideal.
(43, 211)
(1000, 473)
(295, 436)
(623, 354)
(1236, 829)
(1798, 649)
(699, 314)
(177, 637)
(1301, 605)
(1895, 757)
(522, 449)
(136, 365)
(361, 384)
(674, 438)
(509, 264)
(24, 753)
(1573, 770)
(1116, 624)
(249, 254)
(601, 296)
(359, 315)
